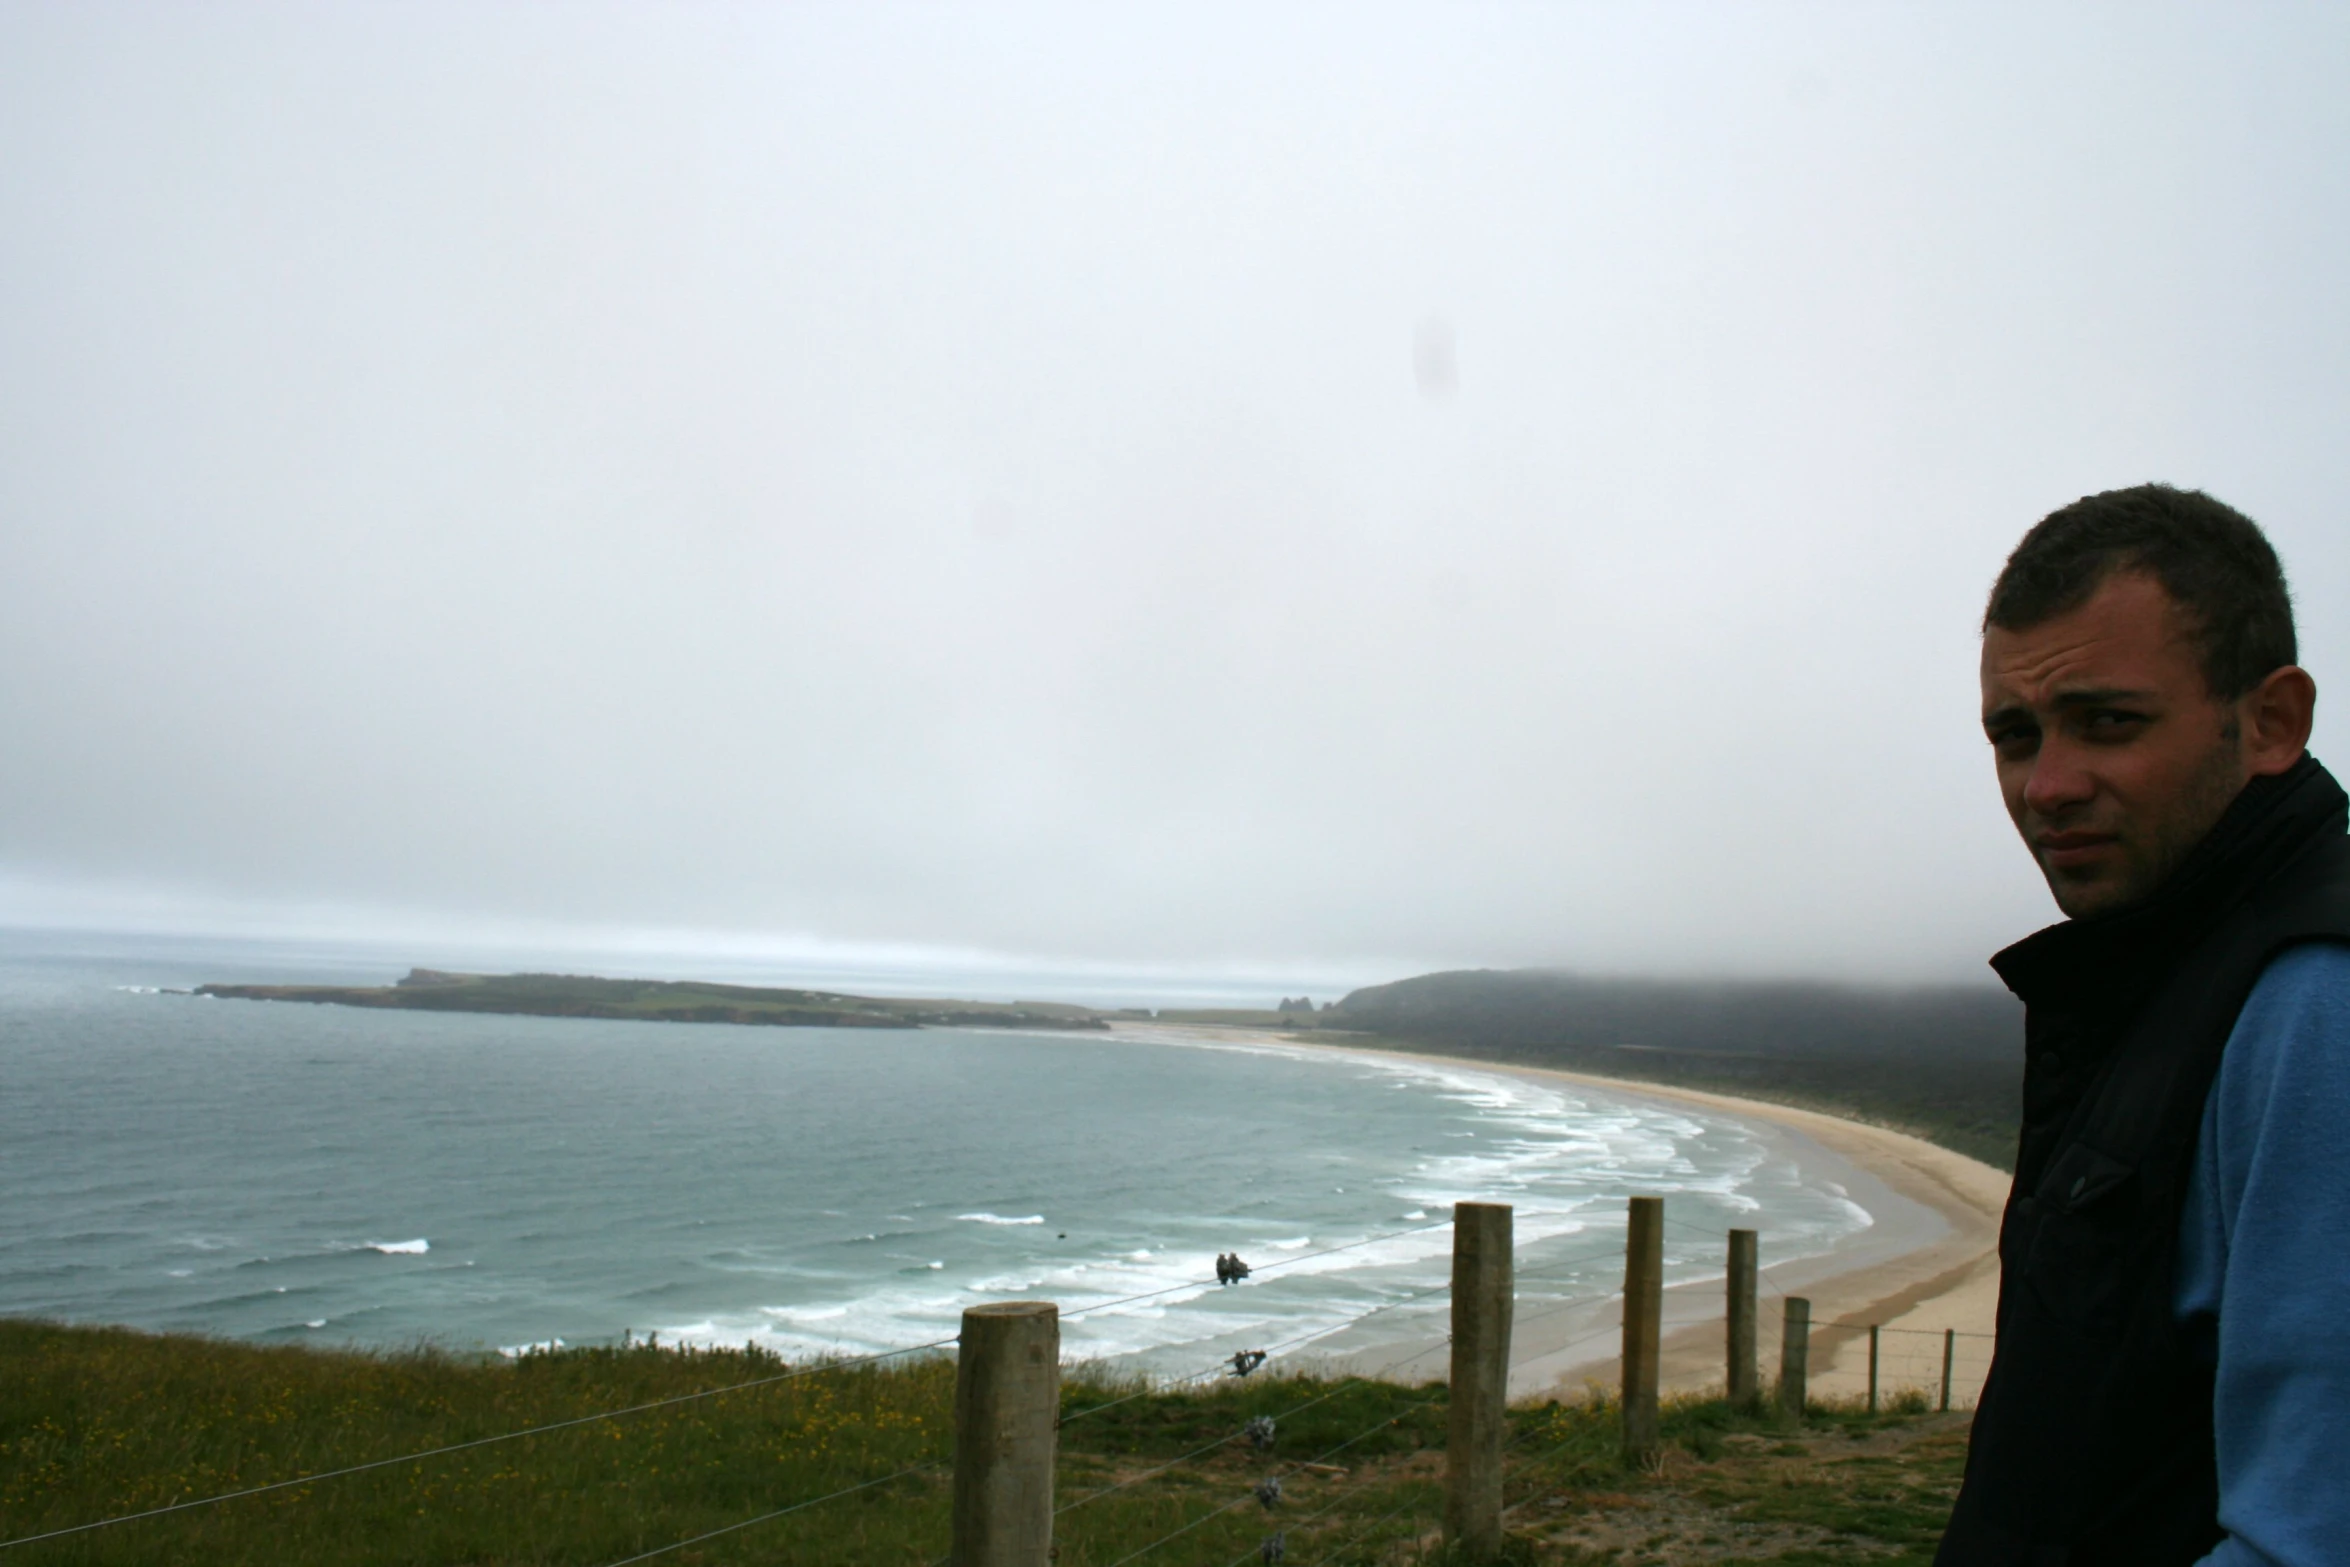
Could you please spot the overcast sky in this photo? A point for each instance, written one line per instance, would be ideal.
(1377, 488)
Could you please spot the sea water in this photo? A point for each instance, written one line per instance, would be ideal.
(276, 1172)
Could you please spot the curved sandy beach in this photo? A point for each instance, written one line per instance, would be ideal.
(1929, 1264)
(1913, 1294)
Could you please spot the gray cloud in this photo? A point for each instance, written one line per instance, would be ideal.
(917, 477)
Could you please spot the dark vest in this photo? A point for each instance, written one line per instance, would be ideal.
(2093, 1441)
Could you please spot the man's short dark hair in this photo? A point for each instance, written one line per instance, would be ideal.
(2211, 559)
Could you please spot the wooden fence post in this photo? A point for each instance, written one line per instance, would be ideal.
(1949, 1348)
(1644, 1285)
(1007, 1407)
(1481, 1294)
(1795, 1356)
(1873, 1331)
(1745, 1377)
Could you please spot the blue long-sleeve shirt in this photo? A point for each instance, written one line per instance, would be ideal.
(2264, 1265)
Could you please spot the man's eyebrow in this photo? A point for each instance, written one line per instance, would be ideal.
(1999, 717)
(2101, 697)
(2097, 696)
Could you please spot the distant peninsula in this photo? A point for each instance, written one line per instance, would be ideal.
(667, 1001)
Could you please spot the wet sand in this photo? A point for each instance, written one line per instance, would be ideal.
(1928, 1263)
(1913, 1287)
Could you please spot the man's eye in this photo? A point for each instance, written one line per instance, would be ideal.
(2015, 737)
(2110, 720)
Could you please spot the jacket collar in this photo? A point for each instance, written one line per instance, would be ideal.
(2112, 957)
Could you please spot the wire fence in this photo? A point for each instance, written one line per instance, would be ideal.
(781, 1512)
(818, 1368)
(1915, 1366)
(1550, 1269)
(1418, 1501)
(1221, 1367)
(1382, 1423)
(1947, 1365)
(445, 1449)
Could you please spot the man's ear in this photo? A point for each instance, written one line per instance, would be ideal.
(2276, 716)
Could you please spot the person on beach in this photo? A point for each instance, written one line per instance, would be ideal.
(2171, 1382)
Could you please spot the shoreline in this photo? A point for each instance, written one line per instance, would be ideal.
(1915, 1277)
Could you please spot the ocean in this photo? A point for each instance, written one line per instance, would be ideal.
(290, 1173)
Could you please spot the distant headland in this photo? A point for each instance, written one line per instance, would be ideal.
(1940, 1061)
(668, 1001)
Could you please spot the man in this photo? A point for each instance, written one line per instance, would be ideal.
(2172, 1379)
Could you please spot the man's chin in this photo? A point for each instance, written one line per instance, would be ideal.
(2093, 895)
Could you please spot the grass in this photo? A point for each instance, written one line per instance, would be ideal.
(98, 1422)
(1842, 1485)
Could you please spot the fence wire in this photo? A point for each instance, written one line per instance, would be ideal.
(1219, 1368)
(1418, 1501)
(1177, 1463)
(1293, 1467)
(1368, 1529)
(1344, 1384)
(1900, 1367)
(1223, 1365)
(483, 1441)
(682, 1398)
(1324, 1511)
(813, 1501)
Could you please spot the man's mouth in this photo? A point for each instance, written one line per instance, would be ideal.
(2064, 851)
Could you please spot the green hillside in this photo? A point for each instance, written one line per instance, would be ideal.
(99, 1422)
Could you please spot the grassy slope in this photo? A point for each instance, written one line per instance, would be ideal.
(95, 1422)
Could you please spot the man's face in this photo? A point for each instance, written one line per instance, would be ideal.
(2114, 757)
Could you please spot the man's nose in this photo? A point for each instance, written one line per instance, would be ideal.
(2060, 779)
